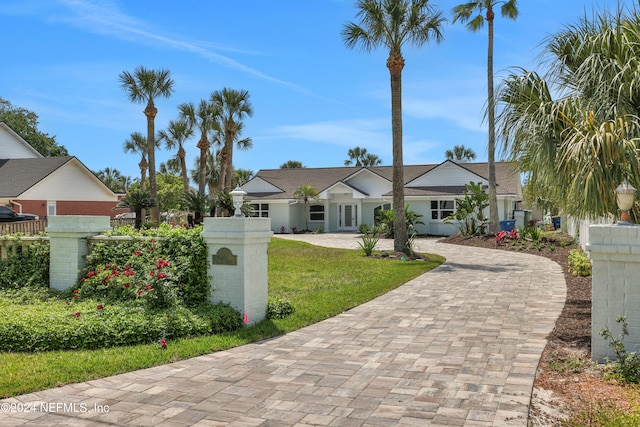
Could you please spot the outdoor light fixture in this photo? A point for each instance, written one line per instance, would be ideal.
(625, 196)
(238, 198)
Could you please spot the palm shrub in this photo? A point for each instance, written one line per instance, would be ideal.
(385, 220)
(469, 214)
(369, 241)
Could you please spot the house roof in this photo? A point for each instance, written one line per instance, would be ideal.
(19, 175)
(288, 180)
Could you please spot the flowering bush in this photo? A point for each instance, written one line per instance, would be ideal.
(513, 234)
(167, 269)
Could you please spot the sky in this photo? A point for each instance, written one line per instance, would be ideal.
(313, 98)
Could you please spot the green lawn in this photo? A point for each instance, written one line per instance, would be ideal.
(320, 283)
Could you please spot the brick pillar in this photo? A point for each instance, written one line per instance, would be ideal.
(615, 254)
(239, 263)
(68, 242)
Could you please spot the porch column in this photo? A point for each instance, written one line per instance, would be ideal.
(239, 263)
(68, 246)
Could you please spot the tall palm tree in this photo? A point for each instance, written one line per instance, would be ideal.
(241, 176)
(581, 144)
(234, 106)
(306, 192)
(144, 86)
(355, 156)
(202, 117)
(292, 164)
(460, 152)
(371, 160)
(391, 24)
(112, 178)
(212, 172)
(137, 144)
(174, 136)
(463, 12)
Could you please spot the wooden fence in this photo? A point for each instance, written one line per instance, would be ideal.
(31, 228)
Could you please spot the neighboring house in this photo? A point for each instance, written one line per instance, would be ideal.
(350, 196)
(48, 186)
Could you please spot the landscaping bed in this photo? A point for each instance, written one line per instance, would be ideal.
(569, 389)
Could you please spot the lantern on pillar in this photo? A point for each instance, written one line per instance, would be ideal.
(238, 198)
(625, 196)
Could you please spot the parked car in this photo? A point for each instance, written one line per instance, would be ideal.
(9, 215)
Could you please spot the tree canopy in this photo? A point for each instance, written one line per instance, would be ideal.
(25, 123)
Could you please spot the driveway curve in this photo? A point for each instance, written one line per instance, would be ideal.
(459, 345)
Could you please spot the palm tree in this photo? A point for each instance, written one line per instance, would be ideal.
(292, 164)
(112, 178)
(234, 106)
(138, 200)
(203, 117)
(577, 148)
(463, 13)
(241, 177)
(391, 24)
(212, 174)
(197, 203)
(355, 156)
(176, 134)
(144, 86)
(305, 193)
(371, 160)
(137, 144)
(460, 152)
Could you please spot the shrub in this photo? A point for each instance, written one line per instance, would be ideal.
(385, 219)
(24, 267)
(535, 233)
(627, 365)
(174, 267)
(578, 263)
(369, 242)
(54, 325)
(279, 308)
(469, 214)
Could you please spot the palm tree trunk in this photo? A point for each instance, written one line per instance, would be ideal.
(228, 146)
(183, 167)
(395, 63)
(491, 148)
(151, 112)
(203, 145)
(143, 182)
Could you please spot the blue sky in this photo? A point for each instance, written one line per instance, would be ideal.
(313, 98)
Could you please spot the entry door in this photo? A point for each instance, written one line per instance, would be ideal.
(348, 217)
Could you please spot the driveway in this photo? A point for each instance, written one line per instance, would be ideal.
(459, 345)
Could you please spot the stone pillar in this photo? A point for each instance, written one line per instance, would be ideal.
(68, 243)
(615, 254)
(239, 269)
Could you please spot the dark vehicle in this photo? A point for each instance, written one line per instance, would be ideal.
(9, 215)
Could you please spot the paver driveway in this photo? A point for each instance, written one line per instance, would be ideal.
(456, 346)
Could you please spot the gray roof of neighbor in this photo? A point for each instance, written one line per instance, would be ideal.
(18, 175)
(288, 180)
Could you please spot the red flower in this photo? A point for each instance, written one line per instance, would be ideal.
(137, 253)
(76, 314)
(152, 274)
(76, 296)
(67, 302)
(99, 307)
(140, 292)
(75, 291)
(126, 285)
(148, 288)
(163, 344)
(161, 275)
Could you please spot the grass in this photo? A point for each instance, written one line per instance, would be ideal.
(320, 282)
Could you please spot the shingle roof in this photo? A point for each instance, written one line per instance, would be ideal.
(18, 175)
(289, 180)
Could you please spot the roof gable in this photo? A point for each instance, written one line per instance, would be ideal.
(448, 173)
(13, 146)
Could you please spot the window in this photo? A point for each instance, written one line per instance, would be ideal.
(316, 213)
(260, 210)
(440, 209)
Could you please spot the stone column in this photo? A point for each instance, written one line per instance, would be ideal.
(615, 254)
(68, 243)
(239, 270)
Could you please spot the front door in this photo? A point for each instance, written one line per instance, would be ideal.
(347, 217)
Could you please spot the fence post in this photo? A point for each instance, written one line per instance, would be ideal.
(615, 254)
(237, 248)
(68, 246)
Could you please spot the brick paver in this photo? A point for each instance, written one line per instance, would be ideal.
(456, 346)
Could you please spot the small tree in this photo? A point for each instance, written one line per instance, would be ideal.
(137, 200)
(304, 193)
(469, 214)
(197, 203)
